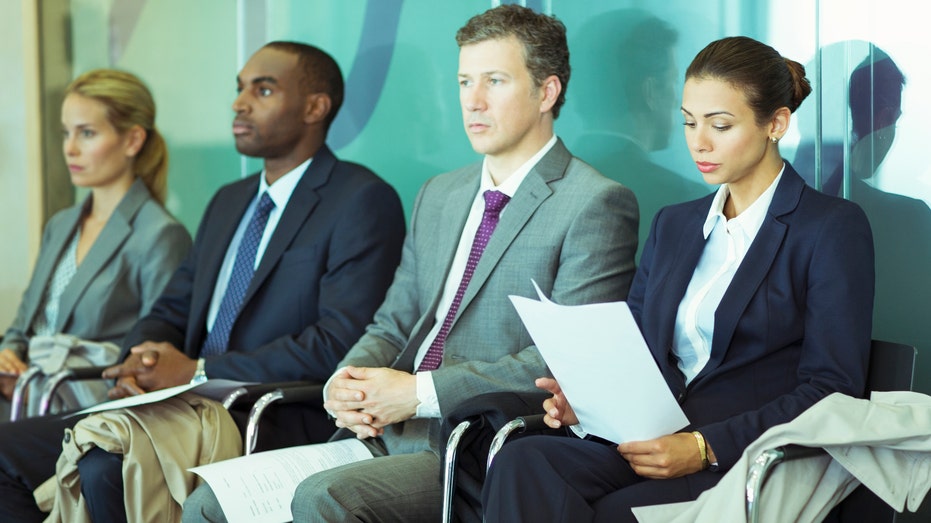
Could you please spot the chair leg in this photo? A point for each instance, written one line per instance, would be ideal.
(252, 426)
(449, 469)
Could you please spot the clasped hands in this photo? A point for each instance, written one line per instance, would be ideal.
(666, 457)
(365, 400)
(150, 366)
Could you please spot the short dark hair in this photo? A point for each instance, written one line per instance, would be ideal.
(767, 79)
(319, 73)
(546, 51)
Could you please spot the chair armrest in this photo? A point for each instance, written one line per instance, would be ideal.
(302, 393)
(253, 392)
(18, 402)
(518, 425)
(761, 468)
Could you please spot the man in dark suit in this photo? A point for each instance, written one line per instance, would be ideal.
(447, 330)
(322, 263)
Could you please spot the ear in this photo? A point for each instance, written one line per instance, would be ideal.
(135, 139)
(648, 89)
(549, 90)
(317, 108)
(779, 125)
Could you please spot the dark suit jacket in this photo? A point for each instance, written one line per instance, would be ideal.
(323, 274)
(793, 326)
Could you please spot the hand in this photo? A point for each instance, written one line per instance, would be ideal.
(366, 400)
(154, 366)
(124, 388)
(665, 457)
(7, 386)
(10, 363)
(558, 410)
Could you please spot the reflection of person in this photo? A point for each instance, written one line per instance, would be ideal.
(322, 264)
(755, 302)
(640, 83)
(901, 225)
(446, 333)
(102, 262)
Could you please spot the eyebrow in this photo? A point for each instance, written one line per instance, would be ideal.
(707, 115)
(259, 80)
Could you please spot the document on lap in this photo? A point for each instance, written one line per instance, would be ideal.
(604, 367)
(213, 389)
(259, 488)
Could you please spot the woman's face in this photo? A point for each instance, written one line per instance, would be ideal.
(96, 153)
(727, 144)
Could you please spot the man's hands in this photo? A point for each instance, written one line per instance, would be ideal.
(558, 411)
(666, 457)
(150, 366)
(366, 400)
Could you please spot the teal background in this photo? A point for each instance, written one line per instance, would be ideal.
(402, 117)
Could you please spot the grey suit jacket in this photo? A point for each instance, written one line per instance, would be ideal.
(119, 278)
(569, 228)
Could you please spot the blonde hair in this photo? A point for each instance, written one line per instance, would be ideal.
(129, 103)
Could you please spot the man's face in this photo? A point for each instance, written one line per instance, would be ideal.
(501, 108)
(269, 109)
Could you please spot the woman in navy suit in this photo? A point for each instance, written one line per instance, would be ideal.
(756, 302)
(103, 262)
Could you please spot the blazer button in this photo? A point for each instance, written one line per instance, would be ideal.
(68, 436)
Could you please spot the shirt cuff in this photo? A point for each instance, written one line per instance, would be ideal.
(429, 406)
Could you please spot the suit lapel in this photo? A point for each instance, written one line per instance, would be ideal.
(57, 241)
(302, 202)
(674, 282)
(111, 238)
(754, 267)
(533, 191)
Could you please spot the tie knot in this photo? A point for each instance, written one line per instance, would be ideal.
(265, 205)
(495, 201)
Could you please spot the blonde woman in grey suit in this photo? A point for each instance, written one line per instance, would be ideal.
(102, 262)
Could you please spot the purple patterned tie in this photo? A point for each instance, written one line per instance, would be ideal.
(241, 276)
(494, 203)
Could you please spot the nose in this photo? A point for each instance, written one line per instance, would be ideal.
(699, 141)
(473, 98)
(69, 146)
(239, 103)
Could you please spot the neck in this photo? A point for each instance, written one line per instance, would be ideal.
(105, 199)
(502, 167)
(279, 166)
(746, 190)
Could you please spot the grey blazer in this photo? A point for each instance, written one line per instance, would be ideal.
(122, 274)
(568, 227)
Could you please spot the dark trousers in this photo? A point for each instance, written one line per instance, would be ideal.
(548, 478)
(29, 450)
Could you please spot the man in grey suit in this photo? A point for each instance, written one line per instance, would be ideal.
(446, 330)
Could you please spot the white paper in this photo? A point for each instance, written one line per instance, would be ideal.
(604, 367)
(213, 389)
(258, 488)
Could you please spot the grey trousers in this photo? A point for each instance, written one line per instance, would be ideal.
(398, 487)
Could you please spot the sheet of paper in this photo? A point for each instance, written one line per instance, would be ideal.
(213, 389)
(258, 488)
(604, 367)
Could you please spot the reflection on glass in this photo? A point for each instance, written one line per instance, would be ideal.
(626, 91)
(901, 225)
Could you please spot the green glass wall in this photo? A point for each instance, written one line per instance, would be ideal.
(402, 117)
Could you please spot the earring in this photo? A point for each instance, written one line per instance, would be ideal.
(774, 139)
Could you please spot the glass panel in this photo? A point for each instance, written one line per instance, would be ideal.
(401, 116)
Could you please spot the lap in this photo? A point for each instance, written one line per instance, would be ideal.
(29, 448)
(404, 487)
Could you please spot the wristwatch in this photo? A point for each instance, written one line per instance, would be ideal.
(199, 375)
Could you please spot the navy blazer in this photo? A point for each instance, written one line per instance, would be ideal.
(323, 274)
(793, 326)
